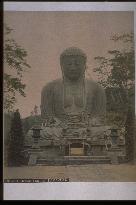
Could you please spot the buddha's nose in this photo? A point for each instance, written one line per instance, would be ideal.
(73, 66)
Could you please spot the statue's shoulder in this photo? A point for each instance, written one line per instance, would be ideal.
(52, 84)
(94, 85)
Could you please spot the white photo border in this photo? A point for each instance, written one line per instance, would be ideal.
(72, 190)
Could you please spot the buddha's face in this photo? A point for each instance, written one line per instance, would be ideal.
(73, 67)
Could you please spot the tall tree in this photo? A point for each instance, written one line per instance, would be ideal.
(15, 60)
(116, 73)
(130, 136)
(16, 140)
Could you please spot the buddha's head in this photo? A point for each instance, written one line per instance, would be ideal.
(73, 63)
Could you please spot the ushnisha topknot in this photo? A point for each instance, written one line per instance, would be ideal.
(73, 51)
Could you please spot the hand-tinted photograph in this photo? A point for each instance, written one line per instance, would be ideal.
(69, 96)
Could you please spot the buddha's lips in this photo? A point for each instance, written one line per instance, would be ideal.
(73, 73)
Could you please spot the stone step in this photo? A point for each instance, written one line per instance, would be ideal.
(85, 157)
(77, 160)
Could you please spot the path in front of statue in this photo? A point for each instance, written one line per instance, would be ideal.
(76, 173)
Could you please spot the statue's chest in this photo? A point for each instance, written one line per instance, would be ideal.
(72, 97)
(74, 94)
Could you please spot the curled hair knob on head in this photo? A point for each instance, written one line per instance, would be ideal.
(73, 51)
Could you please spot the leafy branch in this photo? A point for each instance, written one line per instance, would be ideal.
(15, 59)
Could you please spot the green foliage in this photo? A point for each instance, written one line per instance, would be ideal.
(116, 73)
(125, 38)
(130, 135)
(15, 59)
(7, 125)
(30, 121)
(16, 140)
(116, 118)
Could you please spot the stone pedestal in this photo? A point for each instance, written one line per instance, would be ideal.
(114, 157)
(33, 156)
(35, 149)
(114, 154)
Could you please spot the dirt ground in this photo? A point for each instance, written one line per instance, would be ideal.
(75, 173)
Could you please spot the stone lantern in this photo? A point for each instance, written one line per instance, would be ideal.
(35, 149)
(36, 136)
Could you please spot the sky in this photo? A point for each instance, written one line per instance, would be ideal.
(44, 35)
